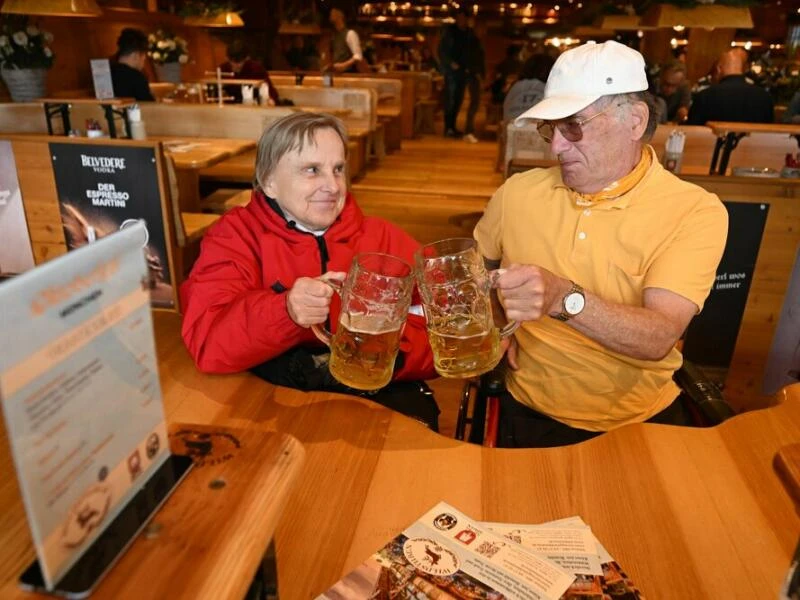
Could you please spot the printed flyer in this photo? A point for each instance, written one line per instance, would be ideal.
(445, 555)
(16, 254)
(102, 189)
(80, 392)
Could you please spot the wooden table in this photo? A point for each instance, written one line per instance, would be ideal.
(192, 154)
(688, 513)
(728, 136)
(111, 107)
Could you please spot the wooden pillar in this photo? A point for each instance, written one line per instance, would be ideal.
(655, 46)
(704, 48)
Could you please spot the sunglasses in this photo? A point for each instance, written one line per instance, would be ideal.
(570, 128)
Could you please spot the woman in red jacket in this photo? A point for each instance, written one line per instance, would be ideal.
(256, 288)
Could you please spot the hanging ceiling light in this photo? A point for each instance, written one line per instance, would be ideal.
(223, 19)
(53, 8)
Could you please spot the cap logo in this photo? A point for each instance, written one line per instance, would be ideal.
(609, 80)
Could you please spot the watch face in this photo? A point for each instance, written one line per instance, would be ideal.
(573, 303)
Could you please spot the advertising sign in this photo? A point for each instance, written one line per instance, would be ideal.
(16, 254)
(102, 189)
(711, 336)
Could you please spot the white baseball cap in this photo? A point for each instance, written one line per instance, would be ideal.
(582, 75)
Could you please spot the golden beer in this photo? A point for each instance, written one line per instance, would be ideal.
(468, 351)
(363, 359)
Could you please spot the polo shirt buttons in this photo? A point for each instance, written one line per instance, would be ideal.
(587, 212)
(581, 236)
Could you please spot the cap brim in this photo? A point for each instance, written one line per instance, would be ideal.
(557, 107)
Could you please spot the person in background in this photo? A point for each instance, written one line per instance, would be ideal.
(240, 65)
(453, 61)
(604, 259)
(346, 51)
(529, 87)
(674, 90)
(475, 72)
(127, 65)
(299, 54)
(427, 61)
(505, 70)
(792, 113)
(257, 286)
(733, 98)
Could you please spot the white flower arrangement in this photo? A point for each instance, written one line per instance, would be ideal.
(24, 46)
(165, 47)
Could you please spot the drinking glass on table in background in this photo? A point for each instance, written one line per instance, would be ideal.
(456, 294)
(376, 295)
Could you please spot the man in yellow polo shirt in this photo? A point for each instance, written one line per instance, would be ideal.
(606, 258)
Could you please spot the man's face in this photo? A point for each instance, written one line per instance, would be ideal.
(311, 184)
(138, 60)
(671, 81)
(337, 17)
(589, 165)
(237, 66)
(461, 20)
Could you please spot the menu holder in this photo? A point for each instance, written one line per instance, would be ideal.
(106, 550)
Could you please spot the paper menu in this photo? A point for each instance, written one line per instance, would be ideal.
(80, 392)
(447, 555)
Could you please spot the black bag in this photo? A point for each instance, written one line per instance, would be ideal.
(306, 369)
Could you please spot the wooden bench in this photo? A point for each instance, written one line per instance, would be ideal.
(730, 134)
(389, 107)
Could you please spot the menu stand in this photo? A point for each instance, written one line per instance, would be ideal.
(211, 539)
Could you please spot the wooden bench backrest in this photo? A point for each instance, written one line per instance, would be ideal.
(362, 103)
(389, 90)
(191, 120)
(524, 142)
(755, 150)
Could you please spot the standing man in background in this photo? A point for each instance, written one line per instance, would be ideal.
(453, 58)
(346, 52)
(476, 71)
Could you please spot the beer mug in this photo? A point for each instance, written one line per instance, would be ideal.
(456, 296)
(376, 295)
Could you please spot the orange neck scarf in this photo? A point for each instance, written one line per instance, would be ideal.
(621, 186)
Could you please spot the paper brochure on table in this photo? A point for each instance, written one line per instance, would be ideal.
(447, 555)
(80, 392)
(570, 544)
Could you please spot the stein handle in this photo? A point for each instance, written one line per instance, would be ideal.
(511, 326)
(322, 333)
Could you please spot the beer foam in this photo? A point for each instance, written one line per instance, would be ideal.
(371, 324)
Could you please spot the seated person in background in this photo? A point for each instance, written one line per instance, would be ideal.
(529, 87)
(733, 98)
(244, 67)
(792, 113)
(606, 258)
(300, 54)
(255, 289)
(127, 65)
(674, 90)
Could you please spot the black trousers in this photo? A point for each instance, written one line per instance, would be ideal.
(522, 427)
(455, 82)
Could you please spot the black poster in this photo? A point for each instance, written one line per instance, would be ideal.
(711, 336)
(102, 189)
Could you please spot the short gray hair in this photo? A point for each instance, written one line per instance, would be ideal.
(649, 100)
(288, 134)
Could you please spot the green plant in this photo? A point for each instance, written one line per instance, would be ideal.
(24, 46)
(166, 47)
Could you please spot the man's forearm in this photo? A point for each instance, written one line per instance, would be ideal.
(634, 331)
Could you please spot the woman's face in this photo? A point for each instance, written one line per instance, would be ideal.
(311, 184)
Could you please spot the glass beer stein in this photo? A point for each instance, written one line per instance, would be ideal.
(456, 296)
(376, 295)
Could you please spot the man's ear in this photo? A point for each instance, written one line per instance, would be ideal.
(640, 114)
